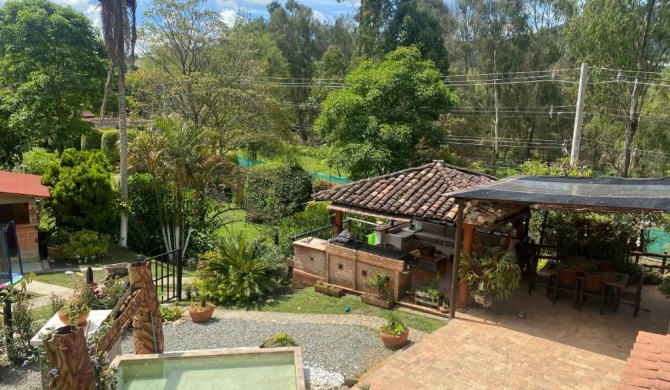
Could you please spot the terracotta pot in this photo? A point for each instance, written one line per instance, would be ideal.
(394, 342)
(81, 319)
(201, 315)
(376, 301)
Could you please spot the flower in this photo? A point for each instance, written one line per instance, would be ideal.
(53, 372)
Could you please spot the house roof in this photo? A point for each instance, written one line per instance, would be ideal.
(648, 366)
(418, 192)
(576, 193)
(22, 184)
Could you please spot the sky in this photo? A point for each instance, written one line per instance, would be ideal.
(324, 10)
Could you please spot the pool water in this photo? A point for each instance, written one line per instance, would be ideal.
(235, 371)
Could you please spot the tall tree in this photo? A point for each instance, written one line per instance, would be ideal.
(628, 35)
(51, 69)
(385, 112)
(119, 32)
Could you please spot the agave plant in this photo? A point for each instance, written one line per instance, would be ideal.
(239, 272)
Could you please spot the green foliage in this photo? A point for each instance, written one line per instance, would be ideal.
(107, 295)
(560, 168)
(84, 246)
(37, 161)
(79, 303)
(275, 191)
(109, 145)
(238, 272)
(379, 281)
(314, 216)
(394, 325)
(81, 191)
(51, 67)
(491, 276)
(19, 350)
(171, 313)
(322, 185)
(92, 140)
(384, 112)
(279, 340)
(144, 225)
(56, 302)
(664, 287)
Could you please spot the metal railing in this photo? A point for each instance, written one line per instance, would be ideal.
(167, 269)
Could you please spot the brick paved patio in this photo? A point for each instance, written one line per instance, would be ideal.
(554, 347)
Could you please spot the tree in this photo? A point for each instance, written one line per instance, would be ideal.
(81, 190)
(119, 32)
(384, 112)
(627, 35)
(182, 160)
(51, 69)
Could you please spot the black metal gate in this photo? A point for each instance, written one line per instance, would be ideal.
(167, 271)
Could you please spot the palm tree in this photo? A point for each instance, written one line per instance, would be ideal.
(120, 33)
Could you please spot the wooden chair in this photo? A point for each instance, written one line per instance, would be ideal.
(630, 297)
(595, 286)
(566, 280)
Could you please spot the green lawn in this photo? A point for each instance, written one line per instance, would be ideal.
(62, 279)
(237, 225)
(308, 301)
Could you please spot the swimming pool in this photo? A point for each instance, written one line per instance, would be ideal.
(232, 368)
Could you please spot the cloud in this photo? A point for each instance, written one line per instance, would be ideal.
(321, 17)
(87, 7)
(228, 16)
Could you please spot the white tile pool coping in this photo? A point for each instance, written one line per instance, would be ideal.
(297, 357)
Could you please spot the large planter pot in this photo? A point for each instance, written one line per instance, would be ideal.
(81, 319)
(53, 252)
(394, 342)
(376, 301)
(329, 289)
(201, 315)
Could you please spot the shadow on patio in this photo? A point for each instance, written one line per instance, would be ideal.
(554, 347)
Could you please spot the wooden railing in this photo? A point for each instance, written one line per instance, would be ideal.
(663, 256)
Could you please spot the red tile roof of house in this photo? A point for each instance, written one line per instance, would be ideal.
(419, 192)
(22, 184)
(648, 366)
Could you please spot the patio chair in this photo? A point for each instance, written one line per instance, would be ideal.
(632, 298)
(593, 285)
(566, 280)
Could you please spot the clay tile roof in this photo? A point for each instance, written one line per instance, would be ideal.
(22, 184)
(419, 192)
(648, 366)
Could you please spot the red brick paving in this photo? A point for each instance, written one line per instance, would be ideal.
(555, 347)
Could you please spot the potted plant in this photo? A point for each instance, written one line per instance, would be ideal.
(493, 276)
(428, 294)
(77, 308)
(394, 333)
(328, 289)
(380, 283)
(427, 249)
(200, 310)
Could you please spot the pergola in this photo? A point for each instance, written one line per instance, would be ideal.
(579, 194)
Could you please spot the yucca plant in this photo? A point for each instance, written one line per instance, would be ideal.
(239, 272)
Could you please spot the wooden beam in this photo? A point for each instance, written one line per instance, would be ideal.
(339, 220)
(457, 257)
(468, 239)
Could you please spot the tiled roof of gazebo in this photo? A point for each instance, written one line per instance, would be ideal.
(418, 192)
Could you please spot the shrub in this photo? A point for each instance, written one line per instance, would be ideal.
(107, 295)
(273, 191)
(238, 272)
(321, 185)
(37, 161)
(81, 190)
(144, 227)
(92, 140)
(108, 145)
(171, 313)
(85, 246)
(664, 287)
(279, 340)
(314, 216)
(56, 302)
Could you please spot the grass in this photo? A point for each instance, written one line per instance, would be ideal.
(308, 301)
(238, 225)
(64, 280)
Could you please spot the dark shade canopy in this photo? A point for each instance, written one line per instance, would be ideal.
(575, 193)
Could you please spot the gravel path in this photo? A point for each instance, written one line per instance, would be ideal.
(334, 347)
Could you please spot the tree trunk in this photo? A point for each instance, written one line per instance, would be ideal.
(631, 129)
(67, 352)
(123, 152)
(108, 88)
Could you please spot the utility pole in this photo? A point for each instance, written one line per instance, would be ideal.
(579, 116)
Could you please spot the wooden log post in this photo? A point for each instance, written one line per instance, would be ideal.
(468, 238)
(147, 322)
(67, 352)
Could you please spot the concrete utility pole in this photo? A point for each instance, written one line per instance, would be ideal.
(579, 116)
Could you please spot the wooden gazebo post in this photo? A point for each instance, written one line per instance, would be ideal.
(465, 234)
(339, 220)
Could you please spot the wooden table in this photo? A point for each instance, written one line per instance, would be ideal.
(430, 263)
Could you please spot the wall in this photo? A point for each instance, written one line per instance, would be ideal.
(348, 268)
(25, 217)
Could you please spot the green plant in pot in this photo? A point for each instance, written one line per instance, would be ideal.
(78, 306)
(394, 333)
(200, 309)
(493, 276)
